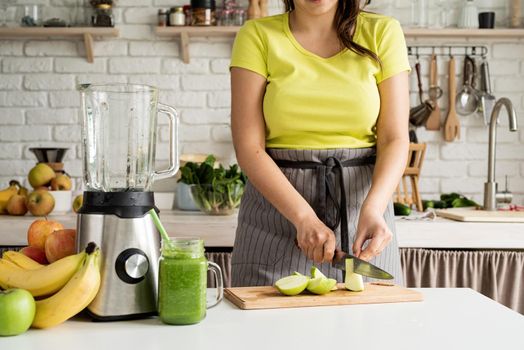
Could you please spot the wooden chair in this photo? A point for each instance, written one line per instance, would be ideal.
(404, 194)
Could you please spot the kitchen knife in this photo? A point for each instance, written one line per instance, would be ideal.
(360, 266)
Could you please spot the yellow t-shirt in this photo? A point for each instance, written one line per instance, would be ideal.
(319, 103)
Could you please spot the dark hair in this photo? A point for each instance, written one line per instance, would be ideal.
(345, 21)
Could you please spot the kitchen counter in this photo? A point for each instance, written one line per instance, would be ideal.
(219, 231)
(446, 319)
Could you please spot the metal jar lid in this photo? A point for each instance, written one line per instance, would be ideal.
(207, 4)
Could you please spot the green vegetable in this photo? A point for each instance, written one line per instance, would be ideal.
(463, 202)
(401, 209)
(439, 205)
(215, 189)
(428, 204)
(456, 200)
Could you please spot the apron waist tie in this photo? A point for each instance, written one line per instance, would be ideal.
(327, 173)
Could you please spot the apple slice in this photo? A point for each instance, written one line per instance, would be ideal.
(292, 285)
(316, 273)
(353, 280)
(321, 285)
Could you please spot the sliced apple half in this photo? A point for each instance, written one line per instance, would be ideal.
(353, 280)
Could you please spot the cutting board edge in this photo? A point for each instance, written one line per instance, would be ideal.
(445, 213)
(408, 295)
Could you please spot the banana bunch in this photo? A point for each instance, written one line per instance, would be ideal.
(8, 192)
(72, 283)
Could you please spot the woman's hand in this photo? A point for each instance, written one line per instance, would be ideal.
(373, 227)
(315, 239)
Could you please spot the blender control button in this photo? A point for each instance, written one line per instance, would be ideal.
(137, 266)
(132, 265)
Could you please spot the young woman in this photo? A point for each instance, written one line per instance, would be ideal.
(320, 126)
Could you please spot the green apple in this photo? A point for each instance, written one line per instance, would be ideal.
(292, 285)
(321, 285)
(17, 311)
(41, 175)
(353, 280)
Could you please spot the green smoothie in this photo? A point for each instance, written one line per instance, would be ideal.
(182, 282)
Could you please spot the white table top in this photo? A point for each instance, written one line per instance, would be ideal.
(446, 319)
(219, 231)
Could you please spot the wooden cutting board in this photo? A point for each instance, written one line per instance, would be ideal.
(268, 297)
(472, 215)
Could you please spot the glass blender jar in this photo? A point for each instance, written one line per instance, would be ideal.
(119, 136)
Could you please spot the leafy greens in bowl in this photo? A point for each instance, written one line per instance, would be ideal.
(215, 190)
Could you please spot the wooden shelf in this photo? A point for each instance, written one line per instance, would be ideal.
(502, 33)
(186, 32)
(85, 33)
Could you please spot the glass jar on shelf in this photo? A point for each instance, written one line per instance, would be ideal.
(103, 16)
(177, 16)
(203, 13)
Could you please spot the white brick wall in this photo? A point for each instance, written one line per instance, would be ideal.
(39, 104)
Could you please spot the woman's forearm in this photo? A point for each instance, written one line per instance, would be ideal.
(269, 180)
(389, 167)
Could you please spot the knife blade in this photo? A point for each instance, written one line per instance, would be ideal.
(360, 266)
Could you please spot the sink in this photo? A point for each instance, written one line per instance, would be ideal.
(479, 215)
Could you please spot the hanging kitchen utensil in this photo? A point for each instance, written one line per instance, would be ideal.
(452, 125)
(487, 100)
(419, 114)
(435, 92)
(467, 100)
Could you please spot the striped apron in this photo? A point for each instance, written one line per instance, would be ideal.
(265, 249)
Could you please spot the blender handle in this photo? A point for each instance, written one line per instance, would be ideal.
(174, 160)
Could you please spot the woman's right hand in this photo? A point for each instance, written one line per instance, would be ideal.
(315, 239)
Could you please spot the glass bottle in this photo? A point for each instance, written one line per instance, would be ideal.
(419, 13)
(469, 17)
(183, 281)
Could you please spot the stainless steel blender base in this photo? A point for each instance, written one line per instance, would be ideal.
(129, 266)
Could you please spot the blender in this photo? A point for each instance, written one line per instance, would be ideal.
(119, 132)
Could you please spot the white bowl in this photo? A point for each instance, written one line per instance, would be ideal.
(63, 201)
(164, 200)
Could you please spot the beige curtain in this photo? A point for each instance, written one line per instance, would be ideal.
(224, 261)
(498, 274)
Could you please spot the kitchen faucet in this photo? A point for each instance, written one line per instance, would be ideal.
(490, 187)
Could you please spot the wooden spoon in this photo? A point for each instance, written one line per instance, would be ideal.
(433, 122)
(452, 125)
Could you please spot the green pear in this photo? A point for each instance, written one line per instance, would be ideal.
(41, 175)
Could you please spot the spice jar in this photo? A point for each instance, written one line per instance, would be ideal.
(203, 13)
(103, 16)
(162, 18)
(177, 16)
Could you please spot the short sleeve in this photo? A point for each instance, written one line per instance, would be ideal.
(392, 51)
(249, 50)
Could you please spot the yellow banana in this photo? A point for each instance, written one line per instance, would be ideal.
(74, 297)
(7, 193)
(43, 281)
(21, 260)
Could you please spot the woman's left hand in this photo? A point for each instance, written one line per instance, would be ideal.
(373, 227)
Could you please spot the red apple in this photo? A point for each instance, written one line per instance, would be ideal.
(39, 230)
(35, 253)
(60, 244)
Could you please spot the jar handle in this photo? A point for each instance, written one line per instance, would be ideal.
(174, 161)
(219, 282)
